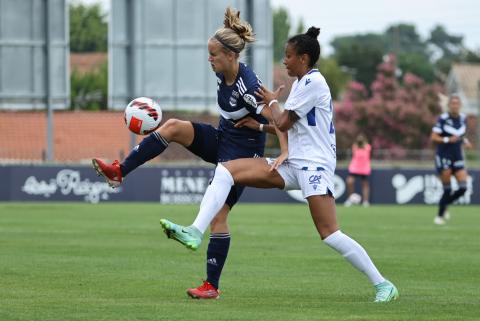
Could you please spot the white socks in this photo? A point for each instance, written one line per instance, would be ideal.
(355, 254)
(217, 193)
(214, 198)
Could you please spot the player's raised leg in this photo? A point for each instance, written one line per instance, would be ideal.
(254, 172)
(173, 130)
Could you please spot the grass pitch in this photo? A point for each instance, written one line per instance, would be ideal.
(112, 262)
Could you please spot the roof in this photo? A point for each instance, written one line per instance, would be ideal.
(467, 76)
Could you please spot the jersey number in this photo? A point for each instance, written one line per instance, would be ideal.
(313, 122)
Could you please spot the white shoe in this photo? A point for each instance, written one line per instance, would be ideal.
(446, 215)
(365, 204)
(347, 203)
(439, 220)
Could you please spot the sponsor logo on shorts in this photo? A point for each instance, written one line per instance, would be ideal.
(314, 180)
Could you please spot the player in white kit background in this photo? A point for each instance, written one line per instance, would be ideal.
(308, 122)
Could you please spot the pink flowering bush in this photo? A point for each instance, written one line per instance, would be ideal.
(396, 117)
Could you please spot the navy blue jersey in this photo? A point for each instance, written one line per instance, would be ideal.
(236, 102)
(450, 155)
(227, 142)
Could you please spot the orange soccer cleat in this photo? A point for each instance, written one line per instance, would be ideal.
(204, 291)
(112, 173)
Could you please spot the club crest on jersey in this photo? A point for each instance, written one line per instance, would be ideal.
(250, 99)
(233, 101)
(235, 94)
(314, 180)
(308, 81)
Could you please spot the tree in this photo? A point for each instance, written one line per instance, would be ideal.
(403, 38)
(281, 29)
(89, 90)
(335, 76)
(450, 49)
(472, 56)
(417, 64)
(300, 27)
(450, 45)
(88, 28)
(428, 59)
(411, 51)
(360, 54)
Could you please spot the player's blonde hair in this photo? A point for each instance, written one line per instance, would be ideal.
(236, 33)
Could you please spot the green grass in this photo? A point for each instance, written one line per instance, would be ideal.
(111, 262)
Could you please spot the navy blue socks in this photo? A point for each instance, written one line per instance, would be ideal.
(448, 197)
(216, 256)
(444, 201)
(150, 147)
(462, 188)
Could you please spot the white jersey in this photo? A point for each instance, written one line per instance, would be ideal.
(311, 140)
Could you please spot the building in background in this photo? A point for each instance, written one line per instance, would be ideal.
(464, 79)
(158, 49)
(34, 48)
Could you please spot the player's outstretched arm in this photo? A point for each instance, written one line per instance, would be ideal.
(283, 140)
(283, 119)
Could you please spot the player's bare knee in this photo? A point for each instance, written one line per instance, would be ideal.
(231, 168)
(219, 223)
(326, 230)
(171, 129)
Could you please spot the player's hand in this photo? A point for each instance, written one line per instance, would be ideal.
(453, 139)
(279, 161)
(266, 95)
(467, 143)
(248, 122)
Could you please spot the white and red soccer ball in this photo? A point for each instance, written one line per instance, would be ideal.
(143, 115)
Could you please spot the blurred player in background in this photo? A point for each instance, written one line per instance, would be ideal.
(449, 135)
(240, 134)
(308, 118)
(359, 167)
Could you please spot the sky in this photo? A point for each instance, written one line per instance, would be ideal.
(342, 17)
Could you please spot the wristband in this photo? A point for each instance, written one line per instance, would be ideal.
(260, 128)
(272, 102)
(446, 140)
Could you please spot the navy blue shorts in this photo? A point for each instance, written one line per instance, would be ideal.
(453, 161)
(210, 145)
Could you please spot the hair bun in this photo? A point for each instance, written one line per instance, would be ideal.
(242, 28)
(313, 32)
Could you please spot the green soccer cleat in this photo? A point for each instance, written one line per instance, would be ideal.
(189, 236)
(386, 292)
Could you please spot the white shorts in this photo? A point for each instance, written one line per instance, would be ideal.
(310, 182)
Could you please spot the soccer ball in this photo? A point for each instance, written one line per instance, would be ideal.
(143, 115)
(355, 198)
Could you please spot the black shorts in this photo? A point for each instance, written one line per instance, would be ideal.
(209, 145)
(361, 176)
(444, 162)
